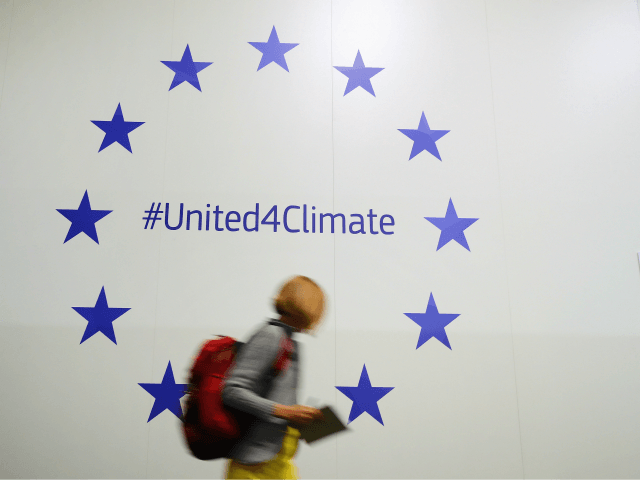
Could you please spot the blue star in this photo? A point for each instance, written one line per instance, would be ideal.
(365, 397)
(167, 394)
(451, 227)
(186, 70)
(359, 75)
(100, 318)
(116, 130)
(83, 219)
(433, 323)
(273, 51)
(424, 138)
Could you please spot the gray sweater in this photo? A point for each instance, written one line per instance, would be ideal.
(250, 388)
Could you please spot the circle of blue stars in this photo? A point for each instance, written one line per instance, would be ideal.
(100, 317)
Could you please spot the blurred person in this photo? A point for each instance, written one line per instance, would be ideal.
(268, 447)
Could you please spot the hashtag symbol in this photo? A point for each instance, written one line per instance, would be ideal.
(156, 215)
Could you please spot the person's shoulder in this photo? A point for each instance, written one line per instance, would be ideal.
(271, 331)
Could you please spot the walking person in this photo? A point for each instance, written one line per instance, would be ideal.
(268, 447)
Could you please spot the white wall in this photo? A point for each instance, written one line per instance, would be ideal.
(542, 102)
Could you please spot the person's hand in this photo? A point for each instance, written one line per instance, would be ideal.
(299, 414)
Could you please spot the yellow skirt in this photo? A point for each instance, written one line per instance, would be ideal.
(281, 466)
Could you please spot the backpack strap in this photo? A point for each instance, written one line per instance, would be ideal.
(285, 353)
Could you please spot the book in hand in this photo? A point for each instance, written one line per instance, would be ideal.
(329, 424)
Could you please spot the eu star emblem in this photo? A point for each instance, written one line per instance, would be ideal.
(83, 219)
(433, 323)
(273, 50)
(359, 75)
(167, 394)
(100, 318)
(116, 130)
(452, 227)
(365, 397)
(186, 70)
(424, 138)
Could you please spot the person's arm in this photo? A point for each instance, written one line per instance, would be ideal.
(297, 414)
(253, 363)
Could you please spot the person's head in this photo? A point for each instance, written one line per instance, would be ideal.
(300, 303)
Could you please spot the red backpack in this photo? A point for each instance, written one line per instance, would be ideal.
(210, 428)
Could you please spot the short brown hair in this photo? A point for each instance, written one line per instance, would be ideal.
(301, 297)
